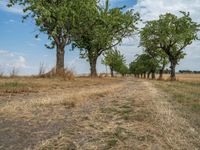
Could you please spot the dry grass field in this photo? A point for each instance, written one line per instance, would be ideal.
(185, 77)
(185, 97)
(101, 114)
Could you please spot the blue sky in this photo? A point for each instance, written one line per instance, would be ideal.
(19, 48)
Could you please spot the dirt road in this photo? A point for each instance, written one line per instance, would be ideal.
(125, 114)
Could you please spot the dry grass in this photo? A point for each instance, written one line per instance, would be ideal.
(185, 97)
(60, 142)
(65, 93)
(67, 74)
(119, 113)
(176, 131)
(65, 98)
(184, 77)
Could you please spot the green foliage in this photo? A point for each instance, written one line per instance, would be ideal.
(104, 29)
(116, 61)
(123, 69)
(170, 34)
(159, 56)
(56, 18)
(144, 63)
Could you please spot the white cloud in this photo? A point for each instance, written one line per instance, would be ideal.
(10, 60)
(14, 9)
(38, 39)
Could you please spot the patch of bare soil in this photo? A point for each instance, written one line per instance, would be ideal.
(122, 114)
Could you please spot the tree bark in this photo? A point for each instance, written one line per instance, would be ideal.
(153, 76)
(111, 72)
(161, 74)
(145, 75)
(148, 75)
(60, 62)
(93, 70)
(173, 70)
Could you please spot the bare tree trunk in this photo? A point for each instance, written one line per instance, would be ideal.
(153, 76)
(111, 72)
(145, 75)
(161, 72)
(93, 70)
(148, 75)
(173, 71)
(60, 62)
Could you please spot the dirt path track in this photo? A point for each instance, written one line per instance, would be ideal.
(134, 115)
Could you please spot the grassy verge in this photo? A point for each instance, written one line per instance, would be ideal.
(186, 96)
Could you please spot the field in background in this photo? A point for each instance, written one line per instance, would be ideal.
(185, 77)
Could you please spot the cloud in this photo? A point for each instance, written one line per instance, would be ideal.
(151, 9)
(14, 9)
(10, 60)
(38, 39)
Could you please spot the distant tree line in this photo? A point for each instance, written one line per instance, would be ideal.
(189, 71)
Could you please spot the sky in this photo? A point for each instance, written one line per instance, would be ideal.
(21, 50)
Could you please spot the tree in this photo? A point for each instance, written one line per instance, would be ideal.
(159, 56)
(172, 35)
(102, 31)
(144, 64)
(57, 19)
(123, 69)
(115, 60)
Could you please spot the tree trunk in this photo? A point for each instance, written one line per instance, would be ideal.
(60, 63)
(173, 70)
(161, 72)
(148, 75)
(153, 76)
(93, 70)
(145, 75)
(111, 72)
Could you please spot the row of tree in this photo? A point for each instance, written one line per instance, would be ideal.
(96, 29)
(84, 24)
(164, 41)
(116, 62)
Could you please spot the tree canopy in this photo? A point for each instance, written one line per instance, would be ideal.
(105, 29)
(171, 34)
(57, 19)
(116, 61)
(144, 64)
